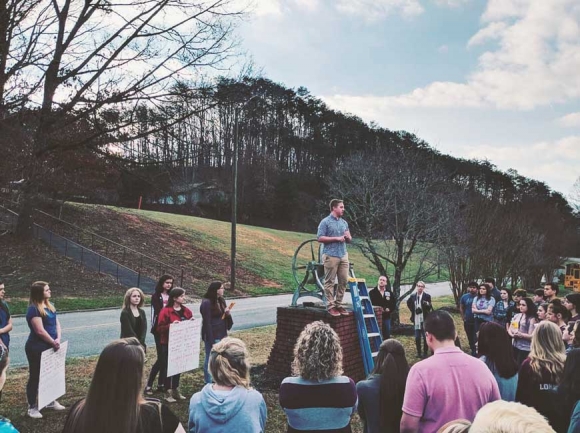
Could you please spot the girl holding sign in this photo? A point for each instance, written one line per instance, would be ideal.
(114, 403)
(44, 334)
(133, 320)
(217, 320)
(175, 312)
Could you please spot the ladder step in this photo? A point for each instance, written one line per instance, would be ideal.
(364, 297)
(374, 354)
(368, 316)
(374, 334)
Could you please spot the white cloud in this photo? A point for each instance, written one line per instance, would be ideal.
(503, 9)
(309, 5)
(438, 94)
(535, 63)
(557, 163)
(571, 120)
(443, 49)
(373, 10)
(493, 31)
(261, 8)
(451, 3)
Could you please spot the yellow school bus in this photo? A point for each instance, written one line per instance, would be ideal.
(572, 279)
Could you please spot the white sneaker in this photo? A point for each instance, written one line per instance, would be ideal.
(33, 412)
(169, 396)
(55, 405)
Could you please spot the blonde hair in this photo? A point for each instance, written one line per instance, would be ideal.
(509, 417)
(317, 353)
(457, 426)
(547, 350)
(229, 364)
(37, 298)
(128, 293)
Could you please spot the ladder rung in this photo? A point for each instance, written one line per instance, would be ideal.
(373, 334)
(368, 316)
(364, 297)
(374, 354)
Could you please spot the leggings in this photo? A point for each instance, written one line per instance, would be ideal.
(156, 369)
(33, 356)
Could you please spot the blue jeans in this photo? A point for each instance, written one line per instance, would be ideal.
(386, 328)
(206, 374)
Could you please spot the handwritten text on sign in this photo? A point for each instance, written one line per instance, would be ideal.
(183, 347)
(52, 382)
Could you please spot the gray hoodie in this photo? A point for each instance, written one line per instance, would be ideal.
(241, 410)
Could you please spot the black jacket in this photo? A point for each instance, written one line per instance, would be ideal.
(425, 305)
(385, 301)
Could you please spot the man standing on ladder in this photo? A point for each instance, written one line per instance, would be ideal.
(333, 232)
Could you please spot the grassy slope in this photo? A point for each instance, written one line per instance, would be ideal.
(262, 251)
(199, 246)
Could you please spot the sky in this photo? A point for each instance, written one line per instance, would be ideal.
(486, 79)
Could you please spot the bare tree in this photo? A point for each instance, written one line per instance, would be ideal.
(397, 204)
(107, 59)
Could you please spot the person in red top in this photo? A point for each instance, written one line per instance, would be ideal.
(175, 312)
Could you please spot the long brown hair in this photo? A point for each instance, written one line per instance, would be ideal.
(496, 345)
(114, 400)
(393, 367)
(37, 298)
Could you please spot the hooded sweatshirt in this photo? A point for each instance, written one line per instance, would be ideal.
(241, 410)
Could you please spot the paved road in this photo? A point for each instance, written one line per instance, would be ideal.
(89, 332)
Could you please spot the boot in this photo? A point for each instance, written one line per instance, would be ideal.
(169, 396)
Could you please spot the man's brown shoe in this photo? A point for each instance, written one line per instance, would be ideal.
(333, 312)
(343, 311)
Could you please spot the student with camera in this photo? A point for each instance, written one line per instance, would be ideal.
(419, 304)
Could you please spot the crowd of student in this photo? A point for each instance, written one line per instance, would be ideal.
(524, 375)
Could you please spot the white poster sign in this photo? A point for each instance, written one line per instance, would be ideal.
(52, 384)
(183, 347)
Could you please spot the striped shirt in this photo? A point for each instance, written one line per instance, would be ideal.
(318, 406)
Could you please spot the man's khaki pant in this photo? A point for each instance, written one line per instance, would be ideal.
(335, 267)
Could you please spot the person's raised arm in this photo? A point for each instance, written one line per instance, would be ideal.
(329, 239)
(347, 236)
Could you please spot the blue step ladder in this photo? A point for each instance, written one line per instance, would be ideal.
(369, 333)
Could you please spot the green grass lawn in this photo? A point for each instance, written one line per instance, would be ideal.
(262, 251)
(259, 342)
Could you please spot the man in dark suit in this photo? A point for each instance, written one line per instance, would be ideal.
(419, 304)
(382, 296)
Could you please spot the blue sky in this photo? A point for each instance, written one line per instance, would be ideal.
(487, 79)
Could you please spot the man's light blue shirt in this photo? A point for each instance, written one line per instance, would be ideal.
(333, 227)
